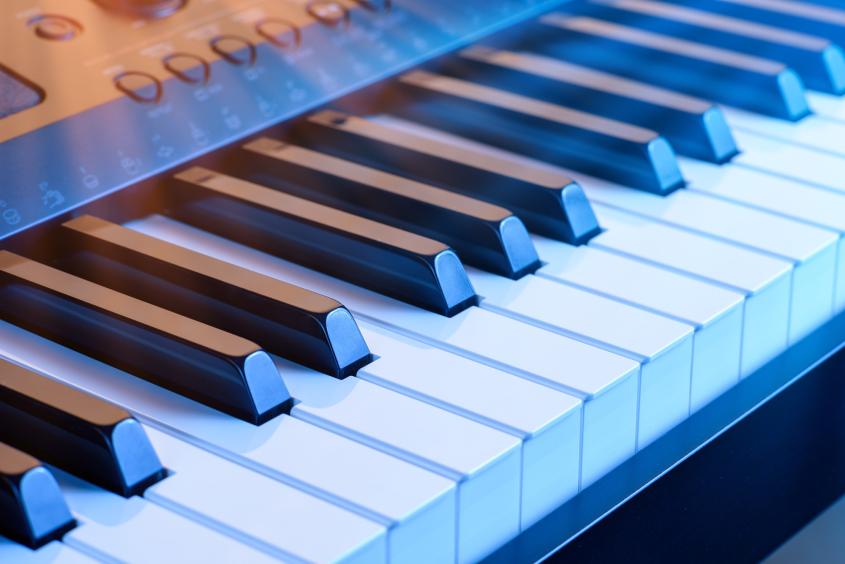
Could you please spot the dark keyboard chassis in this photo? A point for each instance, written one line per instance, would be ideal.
(730, 484)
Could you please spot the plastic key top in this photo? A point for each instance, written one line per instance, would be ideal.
(134, 530)
(820, 63)
(200, 361)
(554, 207)
(277, 518)
(579, 140)
(380, 257)
(75, 431)
(547, 421)
(293, 322)
(32, 509)
(606, 382)
(417, 507)
(485, 463)
(693, 126)
(53, 553)
(750, 82)
(483, 234)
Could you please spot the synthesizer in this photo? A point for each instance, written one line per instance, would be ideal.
(419, 280)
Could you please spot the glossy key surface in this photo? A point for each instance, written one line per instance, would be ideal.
(818, 61)
(383, 258)
(751, 82)
(547, 422)
(417, 507)
(75, 431)
(608, 382)
(483, 234)
(285, 319)
(552, 206)
(32, 509)
(485, 463)
(567, 137)
(693, 126)
(210, 365)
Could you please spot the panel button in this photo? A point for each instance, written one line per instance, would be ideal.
(329, 13)
(55, 28)
(187, 68)
(280, 33)
(234, 49)
(140, 86)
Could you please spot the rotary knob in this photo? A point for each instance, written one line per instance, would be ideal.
(145, 9)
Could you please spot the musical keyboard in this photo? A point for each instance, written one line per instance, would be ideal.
(402, 281)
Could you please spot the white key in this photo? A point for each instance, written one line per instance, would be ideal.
(416, 506)
(663, 346)
(605, 381)
(812, 250)
(113, 528)
(765, 281)
(273, 517)
(547, 421)
(813, 132)
(777, 194)
(485, 462)
(715, 312)
(52, 553)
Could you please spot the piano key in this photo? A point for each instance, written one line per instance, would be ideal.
(32, 509)
(816, 132)
(547, 421)
(483, 234)
(52, 553)
(750, 82)
(580, 140)
(606, 382)
(379, 257)
(287, 320)
(417, 507)
(694, 127)
(485, 463)
(553, 208)
(663, 346)
(818, 62)
(824, 21)
(777, 194)
(210, 365)
(114, 529)
(75, 431)
(715, 313)
(812, 250)
(765, 281)
(274, 517)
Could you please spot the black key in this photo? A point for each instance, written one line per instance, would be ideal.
(598, 146)
(75, 431)
(33, 511)
(694, 127)
(548, 203)
(749, 82)
(817, 61)
(824, 18)
(284, 319)
(483, 234)
(193, 359)
(397, 263)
